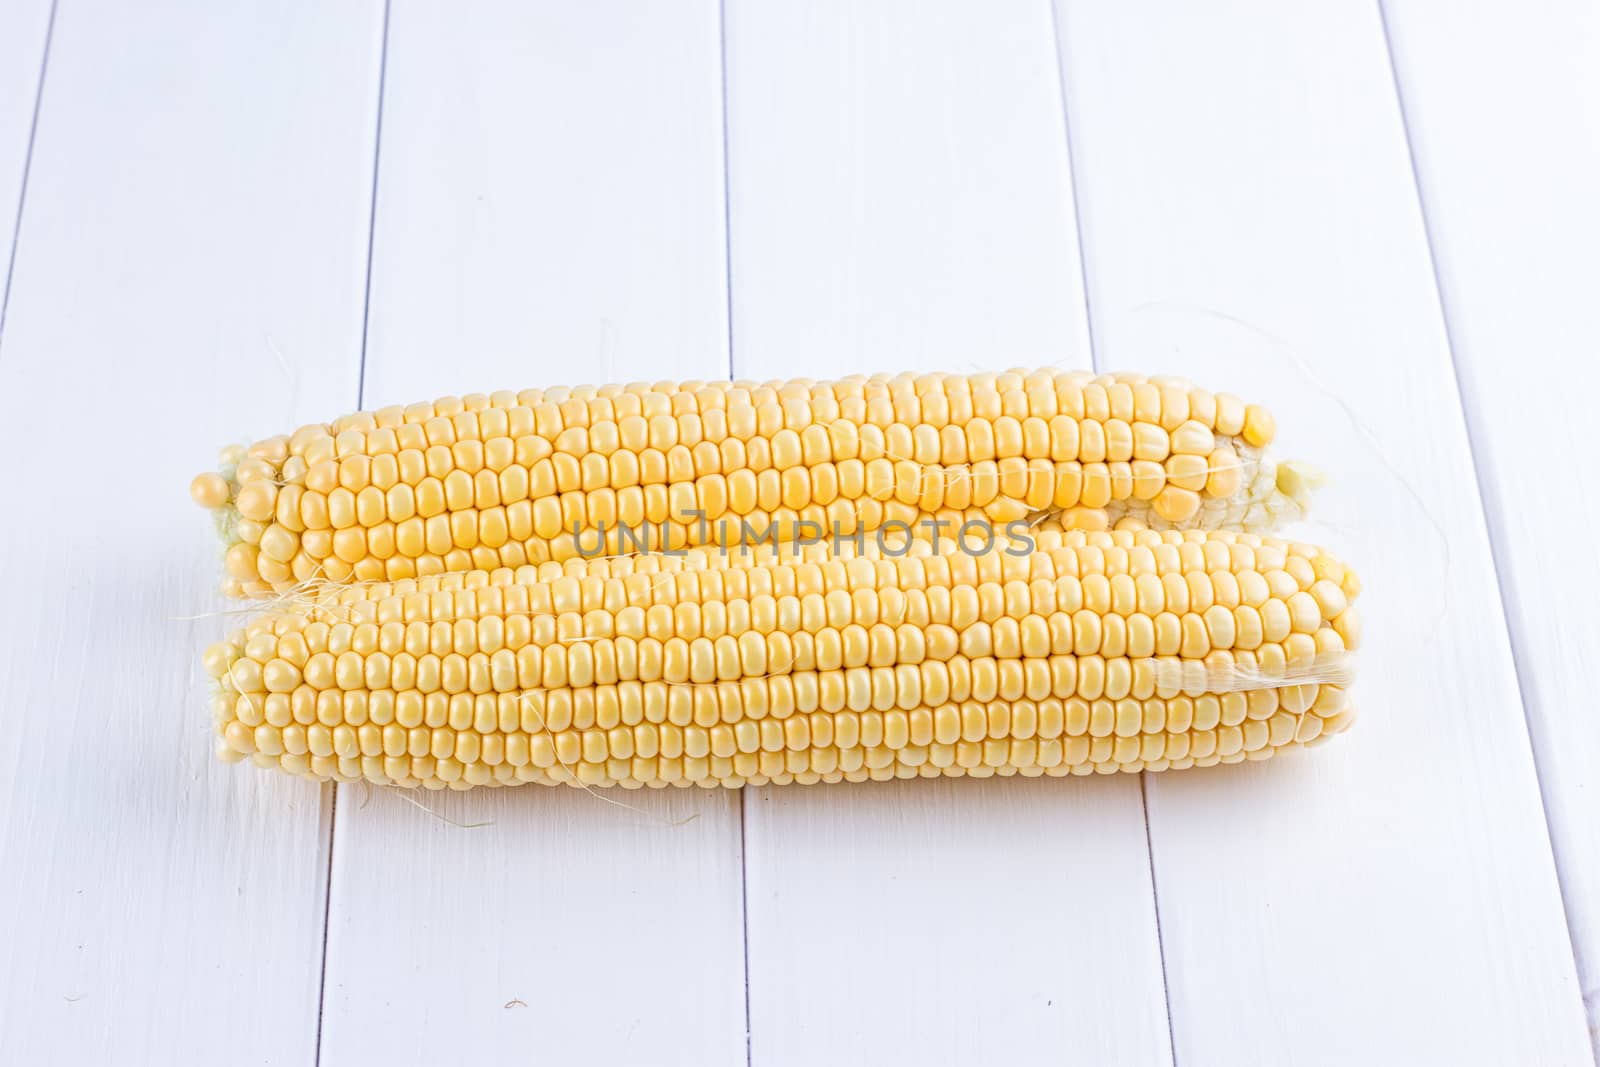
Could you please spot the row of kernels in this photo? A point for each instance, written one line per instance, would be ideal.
(548, 749)
(508, 686)
(789, 739)
(934, 398)
(428, 773)
(745, 707)
(799, 597)
(1182, 588)
(507, 467)
(860, 566)
(1016, 619)
(713, 603)
(788, 437)
(704, 773)
(739, 601)
(1064, 551)
(736, 768)
(526, 650)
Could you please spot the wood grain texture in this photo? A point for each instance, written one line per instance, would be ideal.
(1391, 897)
(549, 210)
(24, 25)
(1508, 168)
(197, 202)
(900, 198)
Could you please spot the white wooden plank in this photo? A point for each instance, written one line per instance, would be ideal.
(1508, 168)
(1391, 895)
(951, 922)
(899, 189)
(901, 198)
(24, 25)
(549, 210)
(198, 199)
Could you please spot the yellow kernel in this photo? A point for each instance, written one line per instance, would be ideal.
(240, 562)
(278, 543)
(1150, 442)
(1230, 415)
(1259, 426)
(1304, 613)
(1331, 601)
(256, 501)
(1119, 441)
(1096, 491)
(1187, 471)
(1224, 477)
(252, 470)
(1176, 504)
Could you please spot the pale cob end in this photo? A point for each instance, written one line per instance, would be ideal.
(241, 495)
(1097, 652)
(501, 480)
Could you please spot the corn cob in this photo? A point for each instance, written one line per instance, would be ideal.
(1096, 652)
(506, 479)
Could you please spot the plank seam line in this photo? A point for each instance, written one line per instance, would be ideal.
(372, 207)
(1485, 494)
(744, 925)
(327, 900)
(1094, 362)
(727, 275)
(27, 168)
(361, 391)
(1072, 180)
(1155, 905)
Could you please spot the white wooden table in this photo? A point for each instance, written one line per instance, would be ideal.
(218, 220)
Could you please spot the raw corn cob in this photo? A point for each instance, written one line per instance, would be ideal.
(506, 479)
(1095, 652)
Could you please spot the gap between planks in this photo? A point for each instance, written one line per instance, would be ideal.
(361, 388)
(27, 168)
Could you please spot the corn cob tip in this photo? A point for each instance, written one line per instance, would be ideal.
(241, 495)
(1297, 481)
